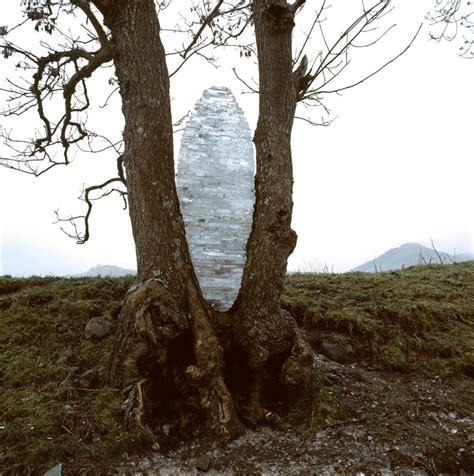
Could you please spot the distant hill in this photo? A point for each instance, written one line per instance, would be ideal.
(106, 270)
(410, 254)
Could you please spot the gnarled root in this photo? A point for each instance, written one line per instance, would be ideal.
(215, 397)
(280, 364)
(171, 363)
(298, 376)
(149, 352)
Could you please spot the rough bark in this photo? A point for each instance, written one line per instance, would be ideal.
(177, 360)
(263, 330)
(166, 315)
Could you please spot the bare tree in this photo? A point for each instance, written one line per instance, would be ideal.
(454, 19)
(175, 357)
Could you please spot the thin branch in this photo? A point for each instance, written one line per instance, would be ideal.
(296, 5)
(206, 21)
(82, 237)
(338, 90)
(253, 90)
(85, 7)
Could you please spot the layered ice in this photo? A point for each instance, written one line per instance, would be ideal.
(215, 183)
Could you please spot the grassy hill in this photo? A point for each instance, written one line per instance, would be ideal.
(56, 405)
(416, 318)
(410, 254)
(107, 270)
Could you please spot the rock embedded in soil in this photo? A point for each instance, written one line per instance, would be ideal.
(338, 351)
(98, 328)
(203, 462)
(62, 360)
(54, 471)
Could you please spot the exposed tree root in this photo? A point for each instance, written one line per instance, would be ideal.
(215, 397)
(179, 370)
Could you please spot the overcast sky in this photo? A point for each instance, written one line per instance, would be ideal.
(395, 166)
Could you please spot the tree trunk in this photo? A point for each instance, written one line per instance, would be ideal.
(166, 354)
(179, 361)
(263, 330)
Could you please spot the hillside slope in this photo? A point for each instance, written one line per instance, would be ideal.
(402, 378)
(410, 254)
(106, 270)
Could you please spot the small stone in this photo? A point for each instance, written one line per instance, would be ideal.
(62, 360)
(203, 462)
(71, 371)
(98, 328)
(54, 471)
(349, 430)
(338, 351)
(401, 455)
(90, 377)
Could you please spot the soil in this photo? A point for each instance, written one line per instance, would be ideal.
(376, 422)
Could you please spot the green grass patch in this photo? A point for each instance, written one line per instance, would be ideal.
(47, 417)
(420, 318)
(55, 403)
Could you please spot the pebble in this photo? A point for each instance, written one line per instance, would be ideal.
(98, 328)
(55, 470)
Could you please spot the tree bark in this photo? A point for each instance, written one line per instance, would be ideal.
(178, 360)
(263, 330)
(166, 316)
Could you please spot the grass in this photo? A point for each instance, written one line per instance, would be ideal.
(47, 418)
(420, 318)
(416, 319)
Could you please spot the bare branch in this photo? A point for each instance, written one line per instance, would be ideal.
(338, 90)
(206, 21)
(253, 90)
(80, 236)
(449, 18)
(84, 5)
(50, 78)
(296, 5)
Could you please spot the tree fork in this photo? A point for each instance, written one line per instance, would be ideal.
(169, 356)
(167, 314)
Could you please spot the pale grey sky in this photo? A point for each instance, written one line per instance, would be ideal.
(395, 166)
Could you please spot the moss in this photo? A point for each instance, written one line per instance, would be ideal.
(47, 417)
(419, 319)
(413, 319)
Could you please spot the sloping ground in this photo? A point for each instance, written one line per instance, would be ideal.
(420, 318)
(372, 423)
(55, 405)
(400, 396)
(411, 254)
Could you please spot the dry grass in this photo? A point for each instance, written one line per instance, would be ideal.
(420, 318)
(416, 319)
(47, 417)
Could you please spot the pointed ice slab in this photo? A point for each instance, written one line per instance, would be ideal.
(216, 190)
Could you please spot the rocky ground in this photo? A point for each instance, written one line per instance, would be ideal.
(377, 422)
(394, 368)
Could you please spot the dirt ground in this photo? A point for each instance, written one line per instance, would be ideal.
(376, 422)
(399, 399)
